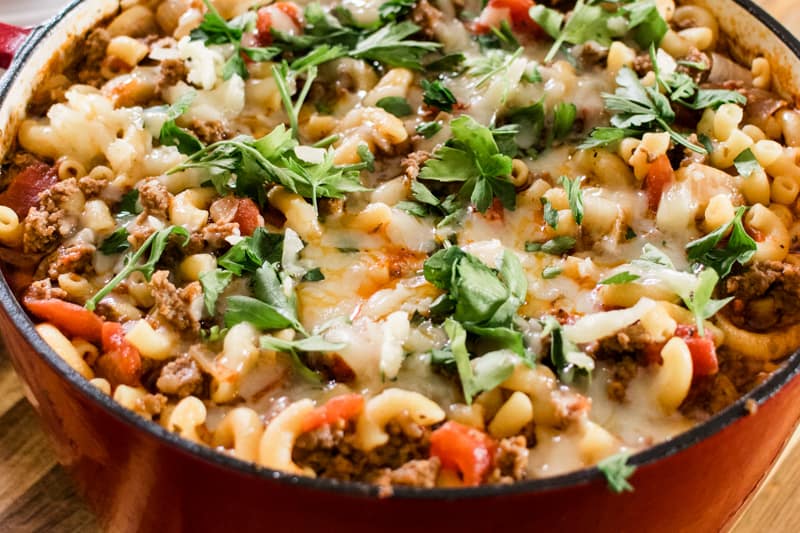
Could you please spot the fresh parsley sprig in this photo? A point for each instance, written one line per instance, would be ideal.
(617, 471)
(739, 248)
(592, 21)
(214, 29)
(568, 360)
(472, 157)
(243, 165)
(155, 244)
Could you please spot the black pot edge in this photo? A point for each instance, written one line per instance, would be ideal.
(660, 451)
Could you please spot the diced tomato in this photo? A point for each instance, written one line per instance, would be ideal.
(121, 363)
(344, 407)
(704, 354)
(658, 178)
(465, 449)
(248, 216)
(516, 12)
(68, 317)
(24, 191)
(269, 17)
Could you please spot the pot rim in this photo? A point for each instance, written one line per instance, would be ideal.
(12, 307)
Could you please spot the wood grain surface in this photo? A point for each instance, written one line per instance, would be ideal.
(37, 496)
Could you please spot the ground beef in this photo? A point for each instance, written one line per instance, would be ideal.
(766, 296)
(94, 50)
(210, 237)
(151, 404)
(590, 54)
(413, 163)
(416, 473)
(72, 258)
(569, 407)
(91, 186)
(40, 230)
(155, 198)
(172, 71)
(737, 376)
(622, 373)
(180, 377)
(43, 290)
(173, 304)
(510, 460)
(696, 56)
(210, 131)
(425, 16)
(632, 340)
(642, 64)
(331, 452)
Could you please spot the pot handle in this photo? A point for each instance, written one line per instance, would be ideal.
(11, 39)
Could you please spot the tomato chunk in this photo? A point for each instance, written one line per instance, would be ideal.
(515, 12)
(248, 216)
(121, 364)
(704, 353)
(24, 191)
(68, 317)
(465, 449)
(344, 407)
(281, 16)
(658, 178)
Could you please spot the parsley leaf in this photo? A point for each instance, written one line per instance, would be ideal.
(214, 282)
(619, 279)
(155, 245)
(556, 246)
(388, 45)
(575, 197)
(172, 135)
(214, 29)
(617, 471)
(308, 344)
(746, 163)
(550, 272)
(315, 274)
(740, 247)
(396, 105)
(116, 242)
(641, 109)
(550, 213)
(394, 9)
(429, 129)
(482, 373)
(472, 157)
(483, 300)
(251, 252)
(129, 205)
(269, 309)
(567, 359)
(435, 94)
(243, 165)
(563, 119)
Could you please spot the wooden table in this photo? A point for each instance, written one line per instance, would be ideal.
(37, 495)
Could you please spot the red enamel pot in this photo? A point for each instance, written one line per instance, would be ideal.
(137, 476)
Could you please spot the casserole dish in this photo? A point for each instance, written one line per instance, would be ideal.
(131, 470)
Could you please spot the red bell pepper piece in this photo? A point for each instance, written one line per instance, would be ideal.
(71, 318)
(121, 364)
